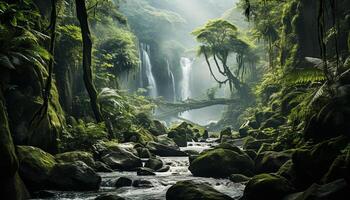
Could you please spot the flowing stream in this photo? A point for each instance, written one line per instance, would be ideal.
(160, 183)
(171, 76)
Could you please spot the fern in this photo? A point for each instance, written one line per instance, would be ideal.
(303, 76)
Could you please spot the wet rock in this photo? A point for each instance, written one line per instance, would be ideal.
(73, 156)
(165, 168)
(189, 190)
(144, 152)
(154, 164)
(322, 155)
(251, 153)
(243, 130)
(229, 146)
(271, 161)
(74, 177)
(163, 150)
(141, 136)
(123, 182)
(221, 163)
(191, 152)
(267, 186)
(165, 140)
(101, 167)
(142, 183)
(121, 159)
(158, 128)
(273, 122)
(35, 166)
(336, 190)
(144, 171)
(205, 134)
(239, 178)
(109, 197)
(182, 134)
(227, 132)
(253, 144)
(43, 194)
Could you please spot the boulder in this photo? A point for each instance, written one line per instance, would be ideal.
(123, 182)
(182, 134)
(73, 156)
(271, 161)
(163, 150)
(142, 183)
(321, 155)
(109, 197)
(121, 159)
(101, 167)
(74, 177)
(154, 164)
(336, 190)
(205, 134)
(267, 186)
(273, 122)
(243, 130)
(227, 131)
(165, 140)
(221, 163)
(141, 136)
(189, 190)
(239, 178)
(165, 168)
(253, 144)
(144, 171)
(143, 152)
(158, 128)
(35, 166)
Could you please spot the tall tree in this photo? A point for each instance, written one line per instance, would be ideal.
(87, 48)
(219, 39)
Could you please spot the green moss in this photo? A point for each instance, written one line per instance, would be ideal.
(36, 157)
(74, 156)
(267, 185)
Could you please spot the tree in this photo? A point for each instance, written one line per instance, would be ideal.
(219, 39)
(87, 48)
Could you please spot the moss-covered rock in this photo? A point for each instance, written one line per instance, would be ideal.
(267, 186)
(74, 177)
(35, 166)
(238, 178)
(164, 150)
(221, 163)
(154, 164)
(141, 136)
(271, 161)
(253, 144)
(322, 155)
(182, 134)
(189, 190)
(73, 156)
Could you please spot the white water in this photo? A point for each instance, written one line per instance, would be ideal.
(171, 76)
(186, 66)
(160, 183)
(147, 66)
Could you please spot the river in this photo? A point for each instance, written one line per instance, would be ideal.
(160, 183)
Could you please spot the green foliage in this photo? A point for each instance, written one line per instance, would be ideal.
(20, 42)
(303, 76)
(82, 136)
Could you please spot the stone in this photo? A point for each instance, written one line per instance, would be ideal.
(163, 150)
(189, 190)
(123, 182)
(154, 164)
(271, 161)
(221, 163)
(238, 178)
(121, 159)
(267, 186)
(35, 166)
(143, 171)
(73, 156)
(74, 177)
(142, 183)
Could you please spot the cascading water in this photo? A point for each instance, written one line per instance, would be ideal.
(186, 67)
(171, 76)
(146, 66)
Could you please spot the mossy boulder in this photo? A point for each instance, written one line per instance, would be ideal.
(238, 178)
(182, 134)
(271, 161)
(141, 136)
(164, 150)
(226, 132)
(165, 140)
(189, 190)
(321, 155)
(123, 182)
(221, 163)
(74, 177)
(73, 156)
(336, 190)
(121, 159)
(154, 164)
(267, 186)
(273, 122)
(158, 128)
(254, 144)
(35, 166)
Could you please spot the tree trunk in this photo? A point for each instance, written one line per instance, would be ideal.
(87, 48)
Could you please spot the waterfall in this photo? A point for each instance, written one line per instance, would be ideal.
(186, 66)
(146, 66)
(171, 76)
